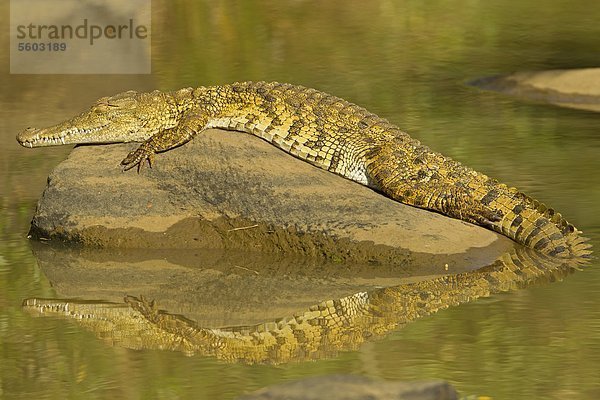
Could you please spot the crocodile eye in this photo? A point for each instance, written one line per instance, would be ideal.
(102, 107)
(122, 102)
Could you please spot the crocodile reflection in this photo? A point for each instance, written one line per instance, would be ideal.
(320, 331)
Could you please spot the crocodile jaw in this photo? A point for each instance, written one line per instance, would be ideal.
(83, 129)
(125, 117)
(34, 137)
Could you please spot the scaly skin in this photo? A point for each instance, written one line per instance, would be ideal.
(329, 133)
(318, 332)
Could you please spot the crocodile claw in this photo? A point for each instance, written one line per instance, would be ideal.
(138, 158)
(489, 218)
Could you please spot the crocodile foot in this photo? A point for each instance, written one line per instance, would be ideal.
(138, 157)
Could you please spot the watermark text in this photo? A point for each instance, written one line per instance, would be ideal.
(80, 36)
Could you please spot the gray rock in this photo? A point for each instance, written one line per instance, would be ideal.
(348, 387)
(573, 88)
(229, 190)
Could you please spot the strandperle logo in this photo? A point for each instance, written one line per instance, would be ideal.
(83, 31)
(80, 37)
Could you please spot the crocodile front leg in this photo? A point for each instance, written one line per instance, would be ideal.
(189, 126)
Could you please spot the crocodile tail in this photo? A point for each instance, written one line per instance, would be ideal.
(431, 181)
(533, 224)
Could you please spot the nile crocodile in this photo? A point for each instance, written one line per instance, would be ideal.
(329, 133)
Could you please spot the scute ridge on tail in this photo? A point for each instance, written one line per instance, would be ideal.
(533, 224)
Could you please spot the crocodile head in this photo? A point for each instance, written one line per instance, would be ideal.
(126, 117)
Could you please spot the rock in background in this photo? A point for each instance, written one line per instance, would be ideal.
(573, 88)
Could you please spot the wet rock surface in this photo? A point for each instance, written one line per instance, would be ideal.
(349, 387)
(228, 190)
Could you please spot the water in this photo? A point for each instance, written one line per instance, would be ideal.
(405, 60)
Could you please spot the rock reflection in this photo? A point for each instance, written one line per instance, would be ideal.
(315, 332)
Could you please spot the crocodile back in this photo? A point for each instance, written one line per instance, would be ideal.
(350, 141)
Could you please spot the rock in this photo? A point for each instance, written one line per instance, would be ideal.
(350, 387)
(574, 88)
(229, 190)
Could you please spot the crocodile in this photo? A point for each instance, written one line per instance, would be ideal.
(328, 132)
(319, 331)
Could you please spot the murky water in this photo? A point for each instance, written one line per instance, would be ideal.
(405, 60)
